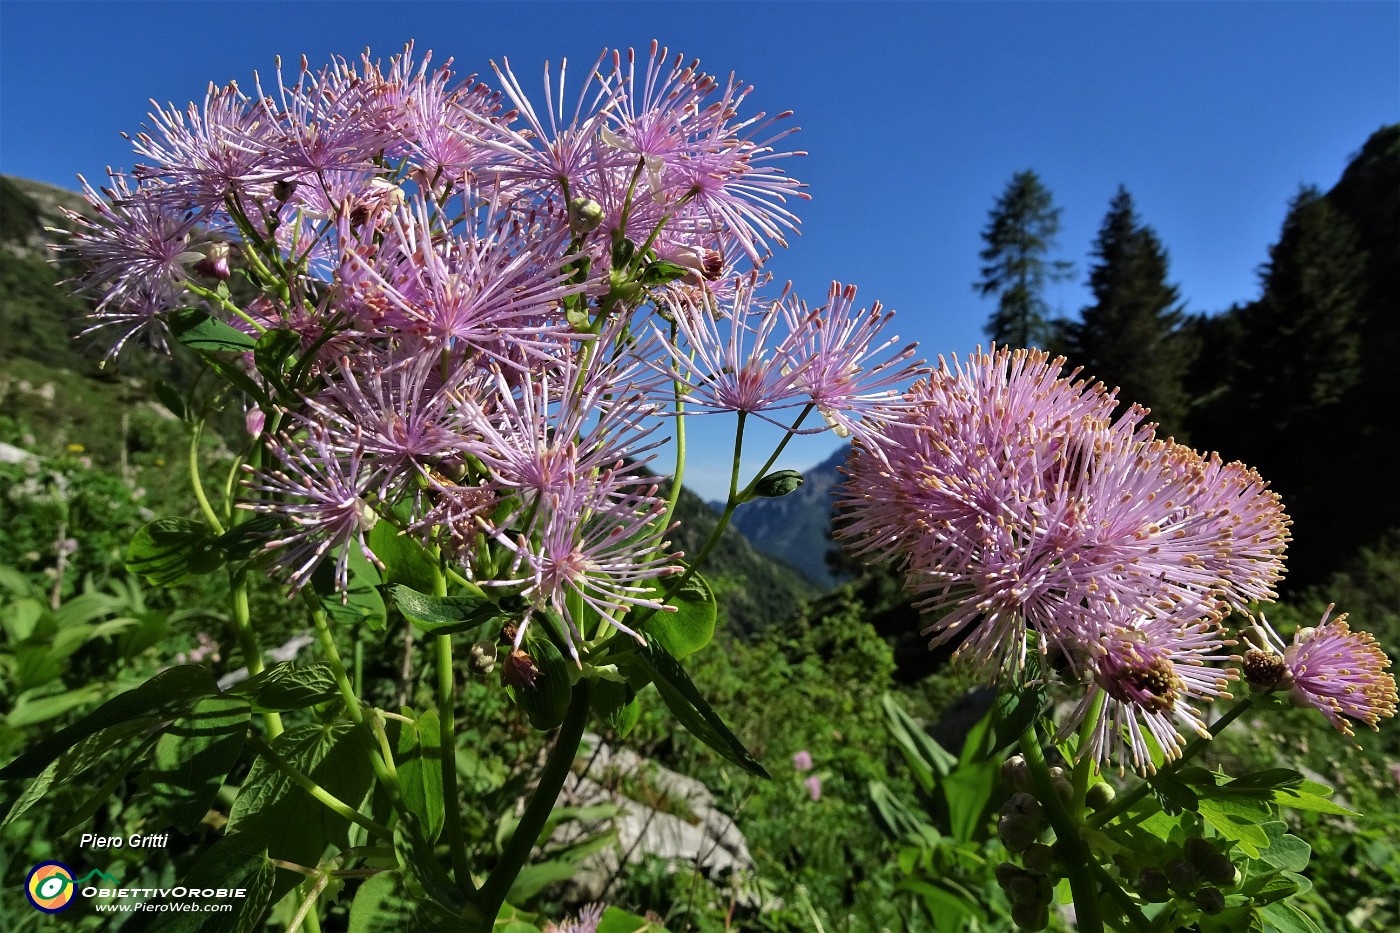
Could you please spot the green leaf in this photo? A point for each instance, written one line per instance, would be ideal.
(170, 551)
(688, 706)
(286, 686)
(968, 791)
(171, 398)
(235, 861)
(1239, 820)
(198, 331)
(1014, 712)
(1268, 779)
(1284, 917)
(691, 626)
(416, 858)
(113, 772)
(616, 705)
(617, 920)
(1286, 851)
(450, 615)
(105, 746)
(247, 538)
(928, 761)
(163, 696)
(269, 804)
(1310, 796)
(419, 757)
(405, 561)
(271, 352)
(194, 756)
(360, 603)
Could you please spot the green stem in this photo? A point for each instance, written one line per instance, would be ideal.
(447, 740)
(527, 831)
(353, 709)
(248, 641)
(1085, 766)
(1078, 861)
(1125, 802)
(331, 801)
(205, 508)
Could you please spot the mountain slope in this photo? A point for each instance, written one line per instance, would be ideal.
(797, 527)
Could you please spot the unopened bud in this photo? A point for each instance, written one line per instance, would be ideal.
(1008, 872)
(1017, 832)
(1024, 805)
(482, 657)
(585, 216)
(1217, 869)
(214, 265)
(1014, 774)
(1039, 857)
(1030, 916)
(1100, 795)
(1182, 875)
(1063, 789)
(1210, 900)
(1023, 889)
(1153, 886)
(283, 190)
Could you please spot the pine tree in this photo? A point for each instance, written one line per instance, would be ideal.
(1020, 236)
(1131, 336)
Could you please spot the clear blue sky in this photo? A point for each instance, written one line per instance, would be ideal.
(915, 115)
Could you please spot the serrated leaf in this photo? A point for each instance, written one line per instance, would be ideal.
(688, 706)
(336, 756)
(287, 686)
(1239, 820)
(419, 757)
(170, 551)
(198, 331)
(163, 696)
(235, 861)
(103, 746)
(194, 755)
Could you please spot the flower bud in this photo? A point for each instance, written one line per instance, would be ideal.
(284, 189)
(1217, 869)
(1210, 900)
(1024, 805)
(1039, 857)
(214, 265)
(1182, 875)
(585, 216)
(1007, 872)
(1100, 795)
(1264, 670)
(1153, 886)
(1030, 916)
(1017, 832)
(1014, 774)
(1023, 889)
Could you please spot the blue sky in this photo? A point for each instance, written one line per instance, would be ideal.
(915, 116)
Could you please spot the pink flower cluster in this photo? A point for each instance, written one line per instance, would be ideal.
(496, 302)
(1026, 513)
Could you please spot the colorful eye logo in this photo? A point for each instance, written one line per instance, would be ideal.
(50, 887)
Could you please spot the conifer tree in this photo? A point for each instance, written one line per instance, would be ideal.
(1020, 236)
(1131, 336)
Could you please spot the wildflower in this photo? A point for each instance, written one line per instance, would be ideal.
(322, 493)
(814, 787)
(1329, 667)
(586, 922)
(1018, 502)
(802, 761)
(1151, 677)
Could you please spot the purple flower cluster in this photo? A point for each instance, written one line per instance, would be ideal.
(493, 303)
(1026, 513)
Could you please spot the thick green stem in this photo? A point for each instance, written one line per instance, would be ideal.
(527, 831)
(1123, 803)
(447, 740)
(248, 641)
(1078, 861)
